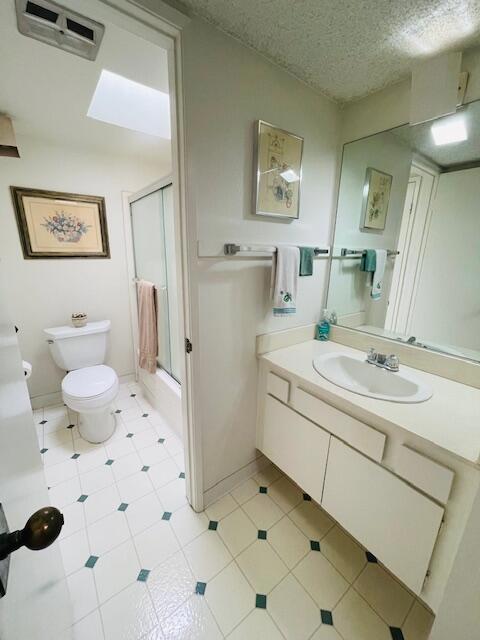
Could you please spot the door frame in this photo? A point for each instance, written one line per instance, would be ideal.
(161, 24)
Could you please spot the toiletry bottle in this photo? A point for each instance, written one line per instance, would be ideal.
(323, 328)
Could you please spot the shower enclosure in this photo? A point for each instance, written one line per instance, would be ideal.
(153, 235)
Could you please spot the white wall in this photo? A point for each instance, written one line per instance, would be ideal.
(44, 293)
(349, 287)
(447, 304)
(227, 87)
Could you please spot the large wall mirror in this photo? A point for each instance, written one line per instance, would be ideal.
(406, 256)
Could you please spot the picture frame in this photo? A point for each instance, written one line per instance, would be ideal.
(54, 224)
(277, 171)
(376, 197)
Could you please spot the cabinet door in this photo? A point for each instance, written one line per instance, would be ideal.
(389, 518)
(296, 445)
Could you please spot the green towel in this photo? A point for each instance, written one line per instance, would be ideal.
(368, 261)
(306, 261)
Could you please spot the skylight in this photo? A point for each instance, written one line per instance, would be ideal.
(131, 105)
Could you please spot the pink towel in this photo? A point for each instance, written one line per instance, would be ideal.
(147, 326)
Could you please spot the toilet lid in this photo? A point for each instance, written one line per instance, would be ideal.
(89, 381)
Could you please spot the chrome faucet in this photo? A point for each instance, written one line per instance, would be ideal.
(390, 363)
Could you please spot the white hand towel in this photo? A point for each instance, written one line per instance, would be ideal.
(377, 280)
(285, 269)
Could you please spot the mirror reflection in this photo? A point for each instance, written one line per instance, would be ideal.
(406, 256)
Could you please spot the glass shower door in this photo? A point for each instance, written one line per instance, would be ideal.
(150, 254)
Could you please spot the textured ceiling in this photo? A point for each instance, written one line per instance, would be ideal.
(346, 48)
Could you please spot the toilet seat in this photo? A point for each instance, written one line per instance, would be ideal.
(89, 388)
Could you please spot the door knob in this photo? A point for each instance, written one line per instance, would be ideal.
(41, 529)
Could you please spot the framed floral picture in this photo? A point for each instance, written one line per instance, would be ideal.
(376, 196)
(278, 171)
(53, 224)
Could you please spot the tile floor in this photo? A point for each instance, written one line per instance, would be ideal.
(263, 563)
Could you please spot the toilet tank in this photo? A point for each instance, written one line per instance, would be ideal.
(77, 347)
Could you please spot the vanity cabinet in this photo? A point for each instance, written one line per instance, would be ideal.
(388, 517)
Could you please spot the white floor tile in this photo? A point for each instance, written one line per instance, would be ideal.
(384, 594)
(263, 511)
(258, 625)
(344, 553)
(134, 487)
(147, 438)
(163, 472)
(293, 610)
(124, 402)
(130, 614)
(193, 620)
(174, 445)
(354, 619)
(97, 479)
(144, 512)
(221, 508)
(245, 491)
(237, 531)
(266, 476)
(188, 524)
(138, 425)
(418, 624)
(107, 533)
(63, 437)
(124, 467)
(119, 447)
(288, 541)
(262, 566)
(51, 412)
(58, 454)
(229, 597)
(156, 544)
(322, 581)
(326, 632)
(179, 460)
(89, 628)
(75, 551)
(91, 459)
(153, 454)
(60, 472)
(170, 585)
(101, 504)
(207, 555)
(74, 519)
(116, 570)
(65, 493)
(312, 520)
(131, 415)
(83, 595)
(173, 495)
(285, 493)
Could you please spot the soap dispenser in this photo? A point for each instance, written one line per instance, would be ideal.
(323, 327)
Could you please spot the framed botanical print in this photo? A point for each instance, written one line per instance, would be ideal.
(376, 196)
(278, 171)
(53, 224)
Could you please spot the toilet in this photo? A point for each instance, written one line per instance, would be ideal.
(90, 387)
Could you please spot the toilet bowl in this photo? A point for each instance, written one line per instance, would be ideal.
(90, 391)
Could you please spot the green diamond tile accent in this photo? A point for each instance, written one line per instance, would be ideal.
(326, 616)
(145, 468)
(70, 426)
(161, 440)
(370, 557)
(43, 450)
(82, 498)
(118, 411)
(261, 601)
(262, 535)
(212, 525)
(396, 633)
(43, 422)
(109, 461)
(143, 575)
(200, 588)
(90, 563)
(167, 515)
(75, 456)
(123, 506)
(263, 489)
(182, 475)
(314, 545)
(307, 497)
(132, 395)
(129, 435)
(144, 415)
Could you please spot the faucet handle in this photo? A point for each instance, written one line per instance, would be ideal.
(392, 362)
(371, 356)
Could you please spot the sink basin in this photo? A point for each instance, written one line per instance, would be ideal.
(369, 380)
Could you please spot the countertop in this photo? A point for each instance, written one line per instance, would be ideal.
(449, 419)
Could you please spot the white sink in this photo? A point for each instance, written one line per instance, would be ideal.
(366, 379)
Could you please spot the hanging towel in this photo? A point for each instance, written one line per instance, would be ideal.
(368, 261)
(285, 268)
(377, 279)
(147, 326)
(306, 261)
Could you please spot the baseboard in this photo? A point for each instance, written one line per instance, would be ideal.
(230, 482)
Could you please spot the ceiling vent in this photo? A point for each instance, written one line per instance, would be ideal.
(53, 24)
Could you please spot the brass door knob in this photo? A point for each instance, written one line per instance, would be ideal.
(41, 529)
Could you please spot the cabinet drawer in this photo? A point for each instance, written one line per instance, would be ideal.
(296, 445)
(427, 475)
(393, 521)
(278, 387)
(353, 431)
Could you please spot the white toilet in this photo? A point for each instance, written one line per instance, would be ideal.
(90, 387)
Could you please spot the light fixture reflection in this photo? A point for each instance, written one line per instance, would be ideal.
(449, 130)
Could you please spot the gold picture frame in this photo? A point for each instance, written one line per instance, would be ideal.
(278, 171)
(53, 224)
(376, 198)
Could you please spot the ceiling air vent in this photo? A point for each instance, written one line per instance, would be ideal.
(53, 24)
